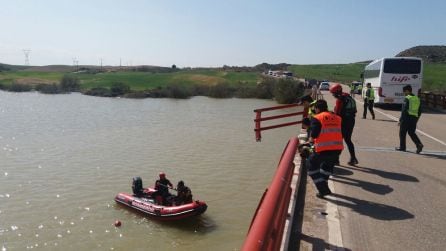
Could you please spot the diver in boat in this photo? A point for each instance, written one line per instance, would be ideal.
(162, 186)
(184, 194)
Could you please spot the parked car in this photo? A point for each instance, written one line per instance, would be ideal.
(358, 87)
(324, 86)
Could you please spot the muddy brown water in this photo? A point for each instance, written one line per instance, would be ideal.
(63, 158)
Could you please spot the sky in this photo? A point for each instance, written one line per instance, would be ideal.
(199, 33)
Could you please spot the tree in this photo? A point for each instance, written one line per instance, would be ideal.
(174, 66)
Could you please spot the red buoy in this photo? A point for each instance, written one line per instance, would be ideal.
(117, 223)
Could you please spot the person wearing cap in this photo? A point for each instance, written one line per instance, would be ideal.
(410, 113)
(162, 186)
(326, 137)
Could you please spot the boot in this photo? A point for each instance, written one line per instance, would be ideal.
(419, 148)
(323, 189)
(353, 161)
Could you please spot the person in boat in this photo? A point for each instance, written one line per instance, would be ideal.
(162, 186)
(184, 194)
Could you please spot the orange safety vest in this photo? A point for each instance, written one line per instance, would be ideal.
(330, 137)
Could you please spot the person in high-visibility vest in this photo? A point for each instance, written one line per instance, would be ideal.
(326, 137)
(410, 113)
(369, 100)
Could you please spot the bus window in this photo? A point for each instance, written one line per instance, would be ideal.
(402, 66)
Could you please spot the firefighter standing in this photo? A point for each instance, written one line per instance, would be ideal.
(346, 109)
(326, 137)
(369, 100)
(410, 113)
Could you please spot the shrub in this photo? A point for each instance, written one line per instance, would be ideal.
(287, 91)
(69, 83)
(48, 89)
(98, 91)
(221, 90)
(118, 89)
(19, 87)
(177, 91)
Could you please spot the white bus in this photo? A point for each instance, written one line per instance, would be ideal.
(388, 76)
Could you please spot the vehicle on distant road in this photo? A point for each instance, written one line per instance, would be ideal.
(387, 77)
(358, 87)
(324, 86)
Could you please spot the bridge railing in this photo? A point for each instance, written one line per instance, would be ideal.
(433, 100)
(267, 226)
(259, 119)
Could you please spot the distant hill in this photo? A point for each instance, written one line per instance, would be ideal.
(429, 53)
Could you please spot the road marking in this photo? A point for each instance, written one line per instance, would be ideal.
(390, 149)
(334, 226)
(396, 119)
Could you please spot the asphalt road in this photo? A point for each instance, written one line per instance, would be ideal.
(391, 200)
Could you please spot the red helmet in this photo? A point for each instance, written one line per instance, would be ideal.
(162, 175)
(336, 88)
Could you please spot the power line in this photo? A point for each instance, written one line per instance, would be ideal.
(26, 52)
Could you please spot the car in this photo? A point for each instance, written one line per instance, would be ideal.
(324, 86)
(357, 87)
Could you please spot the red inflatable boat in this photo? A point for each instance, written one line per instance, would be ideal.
(145, 203)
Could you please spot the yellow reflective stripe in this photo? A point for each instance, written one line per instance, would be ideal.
(328, 143)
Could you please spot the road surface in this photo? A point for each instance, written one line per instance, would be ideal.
(391, 200)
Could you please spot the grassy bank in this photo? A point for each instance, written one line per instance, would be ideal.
(434, 77)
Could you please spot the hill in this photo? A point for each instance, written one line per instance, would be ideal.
(429, 53)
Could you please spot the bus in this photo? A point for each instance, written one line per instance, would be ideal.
(387, 77)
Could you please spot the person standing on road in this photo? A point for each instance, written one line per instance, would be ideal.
(369, 100)
(326, 137)
(410, 113)
(346, 108)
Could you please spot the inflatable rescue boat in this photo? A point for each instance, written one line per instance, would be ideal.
(143, 201)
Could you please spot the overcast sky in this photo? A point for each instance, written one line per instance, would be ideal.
(213, 33)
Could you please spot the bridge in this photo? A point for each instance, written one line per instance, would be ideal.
(391, 200)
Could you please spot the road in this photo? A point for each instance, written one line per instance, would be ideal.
(391, 200)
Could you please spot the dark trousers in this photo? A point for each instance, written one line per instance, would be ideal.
(409, 126)
(368, 104)
(347, 130)
(320, 167)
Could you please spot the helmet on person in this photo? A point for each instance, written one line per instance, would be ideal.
(180, 183)
(336, 89)
(162, 175)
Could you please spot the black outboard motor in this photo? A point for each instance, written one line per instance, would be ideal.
(137, 186)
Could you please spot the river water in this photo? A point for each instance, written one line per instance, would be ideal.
(63, 158)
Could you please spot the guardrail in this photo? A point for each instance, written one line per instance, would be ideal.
(433, 100)
(259, 118)
(267, 226)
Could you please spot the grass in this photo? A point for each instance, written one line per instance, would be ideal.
(138, 80)
(434, 77)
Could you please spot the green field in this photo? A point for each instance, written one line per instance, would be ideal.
(136, 80)
(434, 74)
(434, 77)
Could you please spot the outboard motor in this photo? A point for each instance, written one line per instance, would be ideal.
(137, 186)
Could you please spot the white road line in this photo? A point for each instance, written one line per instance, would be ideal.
(396, 119)
(334, 226)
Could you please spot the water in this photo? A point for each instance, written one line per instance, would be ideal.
(63, 158)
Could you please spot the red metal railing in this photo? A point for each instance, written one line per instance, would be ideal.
(267, 226)
(258, 129)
